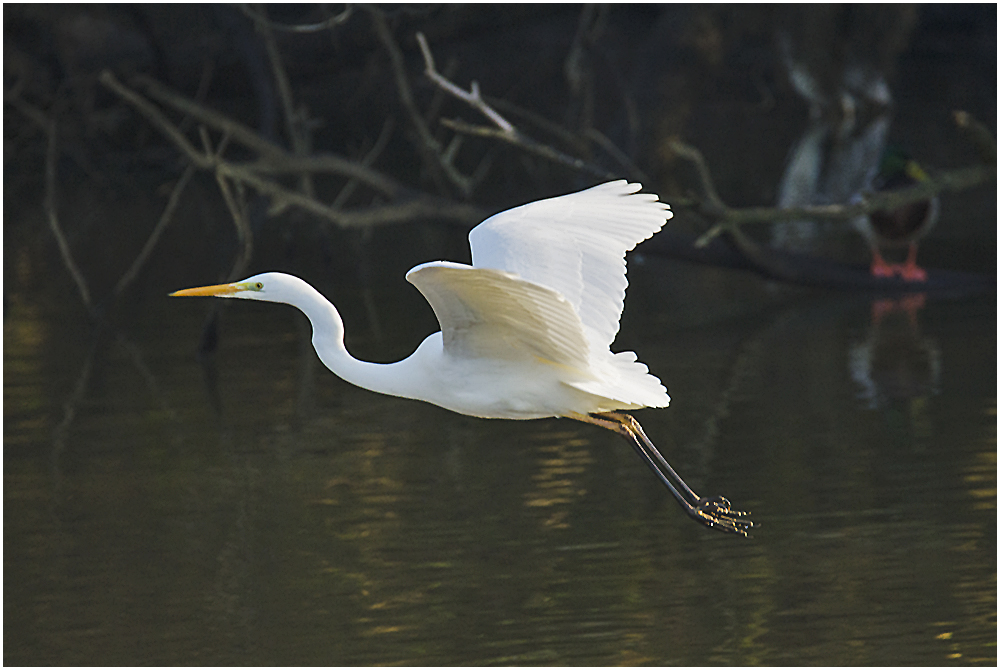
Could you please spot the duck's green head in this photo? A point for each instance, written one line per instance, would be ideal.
(897, 163)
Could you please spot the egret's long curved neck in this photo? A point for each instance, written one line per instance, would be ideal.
(328, 340)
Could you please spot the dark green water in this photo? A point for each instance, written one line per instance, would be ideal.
(261, 511)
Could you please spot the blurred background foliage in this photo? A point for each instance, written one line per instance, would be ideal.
(611, 87)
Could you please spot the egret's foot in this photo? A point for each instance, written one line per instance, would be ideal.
(715, 512)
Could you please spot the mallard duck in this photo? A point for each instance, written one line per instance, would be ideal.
(902, 226)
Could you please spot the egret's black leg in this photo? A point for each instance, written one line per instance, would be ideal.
(714, 511)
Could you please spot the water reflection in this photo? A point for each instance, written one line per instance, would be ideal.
(301, 521)
(896, 364)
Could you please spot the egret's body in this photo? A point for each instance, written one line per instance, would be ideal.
(526, 329)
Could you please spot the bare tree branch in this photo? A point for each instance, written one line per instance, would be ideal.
(505, 130)
(261, 20)
(471, 97)
(367, 161)
(276, 159)
(237, 209)
(429, 145)
(609, 147)
(980, 136)
(52, 214)
(730, 219)
(410, 204)
(531, 146)
(154, 237)
(296, 121)
(744, 253)
(566, 137)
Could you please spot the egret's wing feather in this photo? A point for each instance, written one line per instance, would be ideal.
(574, 244)
(492, 314)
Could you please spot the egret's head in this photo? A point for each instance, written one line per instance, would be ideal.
(270, 286)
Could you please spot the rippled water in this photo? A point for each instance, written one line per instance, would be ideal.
(257, 510)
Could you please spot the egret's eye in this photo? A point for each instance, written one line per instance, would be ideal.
(259, 286)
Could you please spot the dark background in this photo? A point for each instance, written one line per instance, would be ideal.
(641, 75)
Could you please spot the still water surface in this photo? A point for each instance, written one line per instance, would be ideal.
(257, 510)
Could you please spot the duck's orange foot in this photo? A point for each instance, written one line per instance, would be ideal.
(910, 272)
(882, 269)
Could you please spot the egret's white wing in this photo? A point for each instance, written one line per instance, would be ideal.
(491, 314)
(574, 244)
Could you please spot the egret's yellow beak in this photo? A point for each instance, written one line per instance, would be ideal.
(223, 290)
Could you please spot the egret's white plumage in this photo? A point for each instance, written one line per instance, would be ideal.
(526, 329)
(574, 244)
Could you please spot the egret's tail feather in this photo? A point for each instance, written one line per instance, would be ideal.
(628, 382)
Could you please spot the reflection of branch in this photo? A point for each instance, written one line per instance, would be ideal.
(61, 431)
(101, 334)
(747, 358)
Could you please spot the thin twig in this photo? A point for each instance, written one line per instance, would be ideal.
(52, 214)
(207, 72)
(334, 20)
(692, 154)
(243, 231)
(527, 144)
(413, 206)
(165, 95)
(980, 136)
(433, 110)
(471, 97)
(566, 137)
(429, 145)
(236, 210)
(274, 158)
(154, 237)
(293, 120)
(371, 216)
(611, 149)
(504, 129)
(380, 143)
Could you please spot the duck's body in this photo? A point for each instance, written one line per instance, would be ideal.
(903, 226)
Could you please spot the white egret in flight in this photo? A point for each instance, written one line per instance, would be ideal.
(526, 329)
